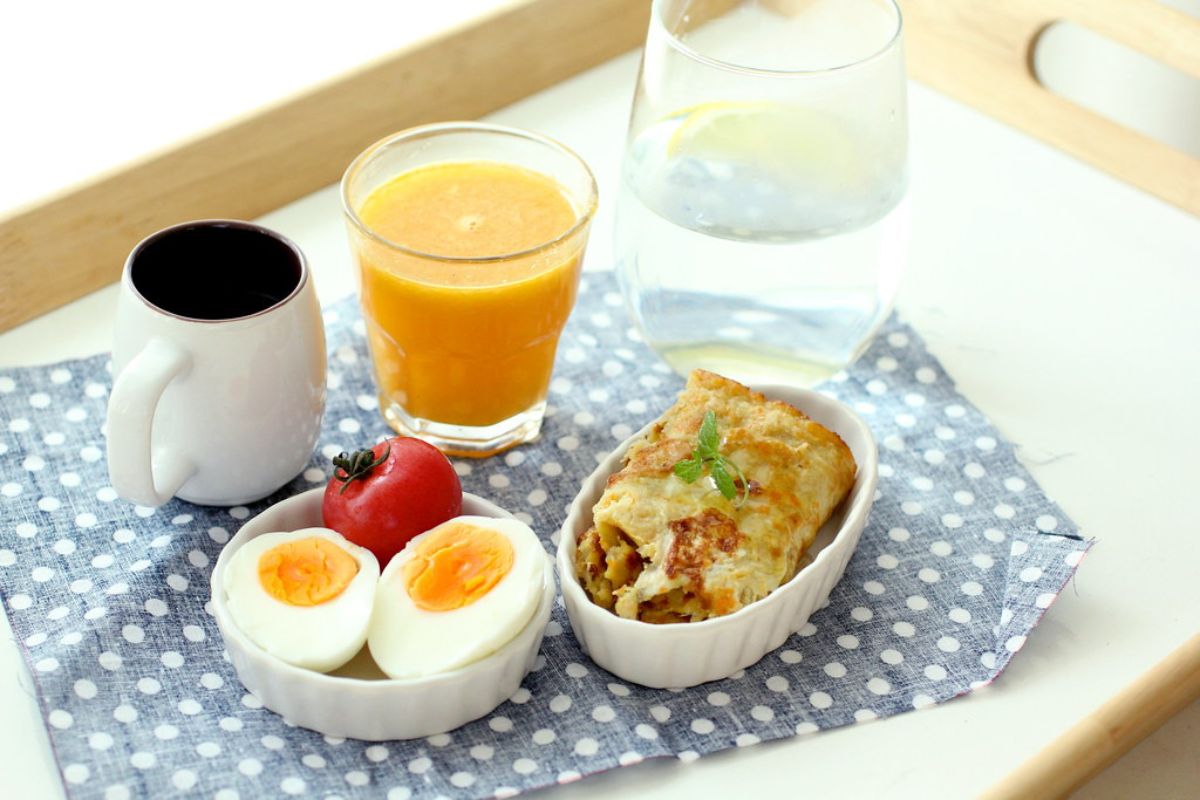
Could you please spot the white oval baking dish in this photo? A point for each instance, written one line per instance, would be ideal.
(680, 655)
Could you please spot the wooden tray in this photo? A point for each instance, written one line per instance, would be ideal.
(978, 51)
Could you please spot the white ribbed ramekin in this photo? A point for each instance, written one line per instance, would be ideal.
(685, 654)
(373, 709)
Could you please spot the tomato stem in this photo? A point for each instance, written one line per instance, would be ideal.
(357, 465)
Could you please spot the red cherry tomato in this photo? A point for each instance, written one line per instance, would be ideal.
(382, 497)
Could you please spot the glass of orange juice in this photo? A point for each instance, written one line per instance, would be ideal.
(469, 239)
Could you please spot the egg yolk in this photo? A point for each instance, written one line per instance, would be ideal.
(455, 566)
(306, 572)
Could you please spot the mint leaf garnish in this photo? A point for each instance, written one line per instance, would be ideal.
(727, 476)
(689, 469)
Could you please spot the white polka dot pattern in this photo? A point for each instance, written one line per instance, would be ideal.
(962, 556)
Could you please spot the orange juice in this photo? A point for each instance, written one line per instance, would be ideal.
(466, 284)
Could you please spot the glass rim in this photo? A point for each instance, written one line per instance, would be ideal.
(729, 66)
(363, 158)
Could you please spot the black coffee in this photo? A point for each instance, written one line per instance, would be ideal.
(215, 270)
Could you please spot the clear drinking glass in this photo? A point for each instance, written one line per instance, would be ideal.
(762, 222)
(463, 332)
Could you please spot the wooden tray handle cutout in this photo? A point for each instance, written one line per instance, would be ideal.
(981, 53)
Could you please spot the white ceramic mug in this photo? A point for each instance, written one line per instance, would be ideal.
(218, 364)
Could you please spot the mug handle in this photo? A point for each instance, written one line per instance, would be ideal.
(132, 464)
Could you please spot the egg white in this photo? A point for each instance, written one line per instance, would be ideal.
(410, 642)
(321, 637)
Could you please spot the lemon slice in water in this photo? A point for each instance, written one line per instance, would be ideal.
(788, 141)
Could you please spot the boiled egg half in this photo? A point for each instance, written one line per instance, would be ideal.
(304, 596)
(456, 594)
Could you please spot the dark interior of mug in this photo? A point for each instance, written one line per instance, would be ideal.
(215, 270)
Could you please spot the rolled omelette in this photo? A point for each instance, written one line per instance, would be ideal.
(662, 550)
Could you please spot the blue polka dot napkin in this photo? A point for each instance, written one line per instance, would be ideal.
(962, 556)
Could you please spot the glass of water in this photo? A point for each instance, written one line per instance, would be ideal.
(762, 222)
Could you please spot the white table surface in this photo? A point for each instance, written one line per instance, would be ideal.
(1062, 302)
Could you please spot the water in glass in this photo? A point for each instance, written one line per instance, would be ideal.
(761, 224)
